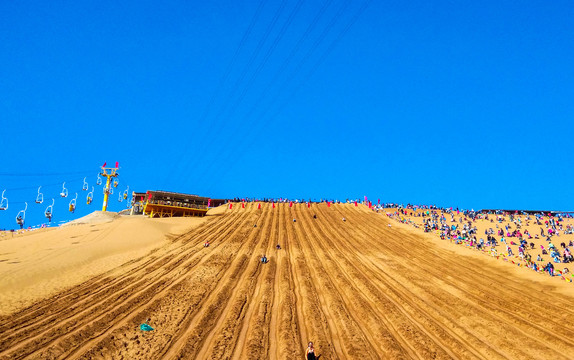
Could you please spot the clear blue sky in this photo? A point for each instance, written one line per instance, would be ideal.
(459, 103)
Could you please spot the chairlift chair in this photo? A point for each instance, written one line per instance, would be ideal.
(99, 180)
(39, 197)
(126, 192)
(72, 206)
(4, 202)
(116, 183)
(90, 196)
(48, 213)
(21, 217)
(85, 185)
(64, 192)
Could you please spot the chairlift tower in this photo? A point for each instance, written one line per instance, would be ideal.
(108, 173)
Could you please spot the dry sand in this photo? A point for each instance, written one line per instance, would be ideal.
(37, 264)
(359, 289)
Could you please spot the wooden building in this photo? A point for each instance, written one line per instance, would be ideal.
(170, 204)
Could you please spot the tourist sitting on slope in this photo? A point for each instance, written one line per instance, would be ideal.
(264, 259)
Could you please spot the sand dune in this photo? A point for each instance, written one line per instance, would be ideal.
(39, 263)
(358, 289)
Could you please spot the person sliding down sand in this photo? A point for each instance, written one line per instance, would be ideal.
(310, 353)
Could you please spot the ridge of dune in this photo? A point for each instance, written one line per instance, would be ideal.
(96, 217)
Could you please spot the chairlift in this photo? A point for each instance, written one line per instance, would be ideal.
(99, 180)
(39, 197)
(21, 217)
(72, 206)
(123, 196)
(49, 211)
(85, 185)
(64, 192)
(116, 183)
(90, 196)
(4, 202)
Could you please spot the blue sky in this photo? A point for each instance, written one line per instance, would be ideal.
(446, 102)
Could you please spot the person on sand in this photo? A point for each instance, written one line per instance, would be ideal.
(264, 259)
(278, 247)
(310, 352)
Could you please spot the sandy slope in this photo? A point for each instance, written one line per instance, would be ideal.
(539, 241)
(359, 289)
(39, 263)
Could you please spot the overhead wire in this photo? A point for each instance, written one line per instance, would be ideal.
(227, 72)
(316, 45)
(11, 174)
(328, 50)
(287, 23)
(201, 152)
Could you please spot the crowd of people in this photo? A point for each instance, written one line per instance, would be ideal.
(507, 235)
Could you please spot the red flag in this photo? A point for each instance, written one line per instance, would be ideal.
(309, 204)
(365, 199)
(104, 164)
(379, 201)
(290, 203)
(370, 205)
(259, 206)
(230, 205)
(243, 205)
(273, 205)
(328, 204)
(356, 203)
(208, 202)
(117, 164)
